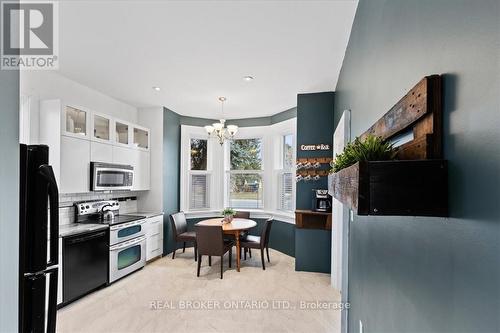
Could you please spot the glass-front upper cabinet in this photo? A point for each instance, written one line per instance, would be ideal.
(141, 138)
(75, 121)
(121, 132)
(101, 127)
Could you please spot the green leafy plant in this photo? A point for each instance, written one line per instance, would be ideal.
(373, 148)
(228, 212)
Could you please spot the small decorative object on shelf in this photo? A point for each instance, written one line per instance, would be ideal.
(228, 215)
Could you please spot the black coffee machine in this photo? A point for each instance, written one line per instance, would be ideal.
(321, 201)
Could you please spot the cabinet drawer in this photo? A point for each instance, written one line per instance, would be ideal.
(154, 246)
(155, 226)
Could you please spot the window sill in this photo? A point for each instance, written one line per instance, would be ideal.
(254, 213)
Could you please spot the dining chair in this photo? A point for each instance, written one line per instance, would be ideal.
(242, 215)
(259, 242)
(210, 240)
(181, 234)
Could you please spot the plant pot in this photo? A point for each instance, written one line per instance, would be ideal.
(228, 218)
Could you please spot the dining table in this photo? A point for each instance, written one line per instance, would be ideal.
(235, 228)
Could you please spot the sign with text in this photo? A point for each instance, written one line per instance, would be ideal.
(319, 146)
(29, 35)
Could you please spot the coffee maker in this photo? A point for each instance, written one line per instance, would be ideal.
(321, 201)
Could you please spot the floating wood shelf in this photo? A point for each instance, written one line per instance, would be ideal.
(405, 188)
(308, 219)
(416, 184)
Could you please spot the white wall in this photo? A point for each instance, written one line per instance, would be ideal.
(51, 85)
(152, 118)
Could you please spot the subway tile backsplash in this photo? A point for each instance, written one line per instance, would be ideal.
(67, 210)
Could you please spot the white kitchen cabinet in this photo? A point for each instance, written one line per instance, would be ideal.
(141, 137)
(75, 165)
(75, 121)
(141, 170)
(101, 152)
(123, 155)
(140, 160)
(60, 274)
(154, 237)
(122, 133)
(101, 127)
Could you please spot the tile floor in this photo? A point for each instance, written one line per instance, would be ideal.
(171, 286)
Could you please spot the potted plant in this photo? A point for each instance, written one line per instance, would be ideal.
(373, 148)
(228, 214)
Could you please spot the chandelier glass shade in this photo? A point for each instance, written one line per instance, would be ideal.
(219, 130)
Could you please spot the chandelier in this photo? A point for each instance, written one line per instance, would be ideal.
(218, 130)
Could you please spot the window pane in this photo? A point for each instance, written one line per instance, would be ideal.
(286, 199)
(76, 121)
(288, 151)
(245, 191)
(246, 154)
(101, 127)
(198, 192)
(198, 154)
(121, 133)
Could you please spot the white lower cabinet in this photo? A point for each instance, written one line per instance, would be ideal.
(60, 274)
(154, 237)
(75, 165)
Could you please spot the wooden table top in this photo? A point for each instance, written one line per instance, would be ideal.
(235, 225)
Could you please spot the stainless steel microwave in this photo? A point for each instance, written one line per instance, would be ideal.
(109, 177)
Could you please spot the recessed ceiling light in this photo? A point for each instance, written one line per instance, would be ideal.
(248, 78)
(157, 88)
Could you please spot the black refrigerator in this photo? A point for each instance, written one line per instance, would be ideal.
(37, 256)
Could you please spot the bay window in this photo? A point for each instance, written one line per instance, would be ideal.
(198, 175)
(245, 185)
(253, 172)
(286, 177)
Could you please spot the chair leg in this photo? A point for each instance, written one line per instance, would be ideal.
(230, 256)
(221, 265)
(173, 254)
(183, 247)
(245, 253)
(267, 252)
(239, 253)
(209, 260)
(199, 264)
(195, 251)
(262, 257)
(250, 252)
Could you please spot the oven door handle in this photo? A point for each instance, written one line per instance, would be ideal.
(127, 244)
(127, 225)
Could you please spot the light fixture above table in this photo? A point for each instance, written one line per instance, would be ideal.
(219, 130)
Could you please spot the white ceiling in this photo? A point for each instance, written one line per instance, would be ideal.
(199, 50)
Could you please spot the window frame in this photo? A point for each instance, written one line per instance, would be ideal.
(247, 134)
(187, 134)
(285, 170)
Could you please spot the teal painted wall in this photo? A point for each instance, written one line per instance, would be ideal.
(247, 122)
(9, 199)
(314, 125)
(171, 172)
(425, 274)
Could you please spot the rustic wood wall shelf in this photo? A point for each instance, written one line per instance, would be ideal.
(308, 219)
(417, 183)
(414, 188)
